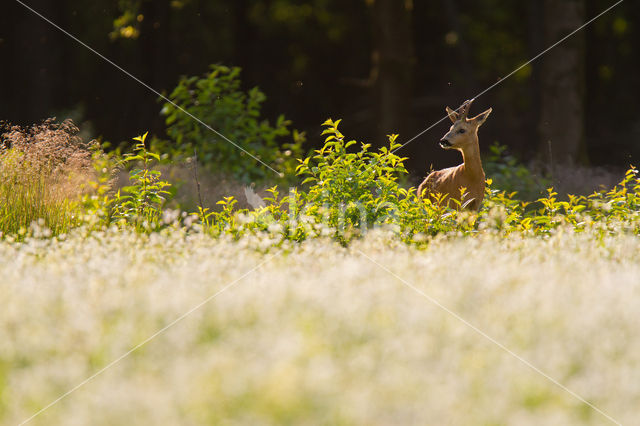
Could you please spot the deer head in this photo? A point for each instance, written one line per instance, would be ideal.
(464, 131)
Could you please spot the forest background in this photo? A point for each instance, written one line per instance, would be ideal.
(384, 66)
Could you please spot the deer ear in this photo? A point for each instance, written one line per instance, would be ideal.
(480, 118)
(453, 116)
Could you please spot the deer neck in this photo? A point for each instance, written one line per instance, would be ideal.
(472, 162)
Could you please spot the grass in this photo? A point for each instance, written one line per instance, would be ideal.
(43, 174)
(319, 333)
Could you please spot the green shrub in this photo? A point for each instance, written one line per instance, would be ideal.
(347, 192)
(508, 174)
(360, 188)
(218, 100)
(140, 204)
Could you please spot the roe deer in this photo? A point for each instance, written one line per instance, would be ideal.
(463, 136)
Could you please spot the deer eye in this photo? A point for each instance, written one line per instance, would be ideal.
(461, 131)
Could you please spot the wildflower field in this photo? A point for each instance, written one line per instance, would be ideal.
(343, 299)
(379, 332)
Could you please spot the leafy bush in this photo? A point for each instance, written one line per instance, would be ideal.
(344, 195)
(141, 203)
(360, 188)
(508, 174)
(217, 99)
(607, 212)
(348, 193)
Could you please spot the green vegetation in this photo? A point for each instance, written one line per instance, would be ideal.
(317, 256)
(44, 171)
(140, 204)
(346, 191)
(175, 280)
(350, 193)
(507, 173)
(218, 100)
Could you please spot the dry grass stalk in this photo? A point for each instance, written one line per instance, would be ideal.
(44, 170)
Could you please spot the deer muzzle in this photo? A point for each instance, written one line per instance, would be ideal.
(444, 143)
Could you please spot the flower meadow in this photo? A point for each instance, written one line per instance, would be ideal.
(343, 299)
(379, 332)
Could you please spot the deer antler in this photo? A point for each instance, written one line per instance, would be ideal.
(464, 108)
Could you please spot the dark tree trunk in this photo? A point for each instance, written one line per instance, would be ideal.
(393, 63)
(562, 114)
(39, 54)
(536, 45)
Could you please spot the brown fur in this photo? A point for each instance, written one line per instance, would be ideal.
(463, 136)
